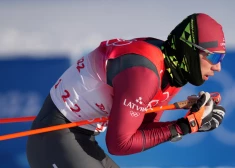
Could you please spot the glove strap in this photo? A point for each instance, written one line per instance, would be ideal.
(192, 123)
(195, 119)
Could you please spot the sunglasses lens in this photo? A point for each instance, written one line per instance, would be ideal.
(215, 58)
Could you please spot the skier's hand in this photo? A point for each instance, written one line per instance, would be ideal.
(199, 114)
(218, 114)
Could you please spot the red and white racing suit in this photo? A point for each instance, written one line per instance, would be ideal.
(92, 88)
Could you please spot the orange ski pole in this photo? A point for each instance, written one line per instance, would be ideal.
(51, 128)
(69, 125)
(17, 119)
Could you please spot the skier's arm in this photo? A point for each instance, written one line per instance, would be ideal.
(134, 87)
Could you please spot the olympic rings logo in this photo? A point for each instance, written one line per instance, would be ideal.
(119, 42)
(134, 114)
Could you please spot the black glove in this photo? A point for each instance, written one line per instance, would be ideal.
(199, 114)
(218, 114)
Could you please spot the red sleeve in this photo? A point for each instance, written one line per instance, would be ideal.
(133, 88)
